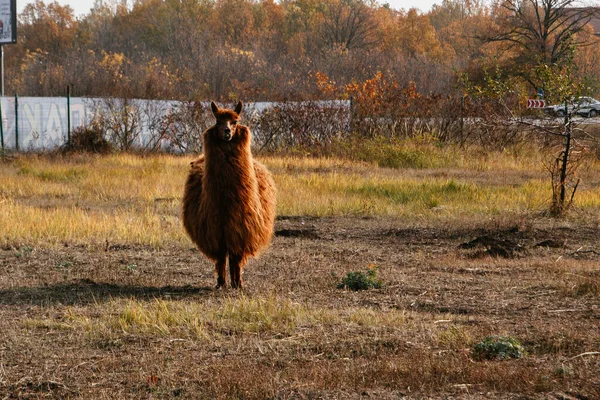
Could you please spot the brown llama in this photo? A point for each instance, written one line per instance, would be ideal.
(229, 199)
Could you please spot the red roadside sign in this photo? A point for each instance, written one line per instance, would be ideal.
(534, 103)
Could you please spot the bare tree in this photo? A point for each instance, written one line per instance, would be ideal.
(349, 24)
(543, 30)
(120, 120)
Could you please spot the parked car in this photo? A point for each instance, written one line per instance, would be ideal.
(584, 106)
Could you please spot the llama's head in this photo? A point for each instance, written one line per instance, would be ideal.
(226, 120)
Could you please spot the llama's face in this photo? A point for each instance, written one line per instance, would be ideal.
(226, 121)
(226, 128)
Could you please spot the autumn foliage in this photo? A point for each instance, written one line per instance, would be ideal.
(390, 62)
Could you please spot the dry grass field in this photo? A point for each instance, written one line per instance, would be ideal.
(102, 296)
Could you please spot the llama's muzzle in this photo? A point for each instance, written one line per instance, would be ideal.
(227, 134)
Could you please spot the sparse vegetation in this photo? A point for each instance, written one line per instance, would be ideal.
(100, 285)
(442, 188)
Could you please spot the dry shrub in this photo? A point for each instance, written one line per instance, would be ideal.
(490, 124)
(120, 121)
(183, 126)
(306, 124)
(283, 126)
(382, 107)
(88, 139)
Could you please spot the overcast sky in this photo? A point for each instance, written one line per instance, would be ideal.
(84, 6)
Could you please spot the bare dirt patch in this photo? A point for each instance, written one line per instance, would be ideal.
(117, 321)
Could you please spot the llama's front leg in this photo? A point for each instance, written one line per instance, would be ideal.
(235, 269)
(220, 267)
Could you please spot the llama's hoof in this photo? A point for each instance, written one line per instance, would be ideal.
(236, 285)
(221, 286)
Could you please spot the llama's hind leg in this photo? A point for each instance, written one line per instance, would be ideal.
(236, 263)
(220, 267)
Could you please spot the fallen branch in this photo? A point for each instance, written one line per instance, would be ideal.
(583, 252)
(588, 353)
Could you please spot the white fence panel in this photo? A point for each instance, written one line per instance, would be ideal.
(43, 123)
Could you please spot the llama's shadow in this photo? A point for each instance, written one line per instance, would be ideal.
(86, 291)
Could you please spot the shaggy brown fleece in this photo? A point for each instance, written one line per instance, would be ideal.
(229, 199)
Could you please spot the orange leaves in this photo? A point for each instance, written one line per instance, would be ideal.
(325, 85)
(410, 92)
(374, 90)
(376, 96)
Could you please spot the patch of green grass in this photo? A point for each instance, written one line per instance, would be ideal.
(420, 152)
(24, 251)
(64, 174)
(430, 193)
(64, 264)
(562, 372)
(498, 348)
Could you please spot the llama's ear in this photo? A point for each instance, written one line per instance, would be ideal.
(238, 108)
(214, 108)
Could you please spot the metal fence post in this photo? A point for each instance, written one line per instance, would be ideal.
(351, 116)
(16, 122)
(1, 125)
(68, 114)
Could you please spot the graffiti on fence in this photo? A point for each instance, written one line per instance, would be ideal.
(39, 123)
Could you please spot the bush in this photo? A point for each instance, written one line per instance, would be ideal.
(184, 125)
(306, 124)
(88, 139)
(361, 281)
(498, 348)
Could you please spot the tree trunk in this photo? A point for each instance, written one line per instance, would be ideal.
(565, 163)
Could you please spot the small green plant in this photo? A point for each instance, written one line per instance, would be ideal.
(562, 372)
(64, 264)
(361, 280)
(498, 348)
(131, 268)
(24, 251)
